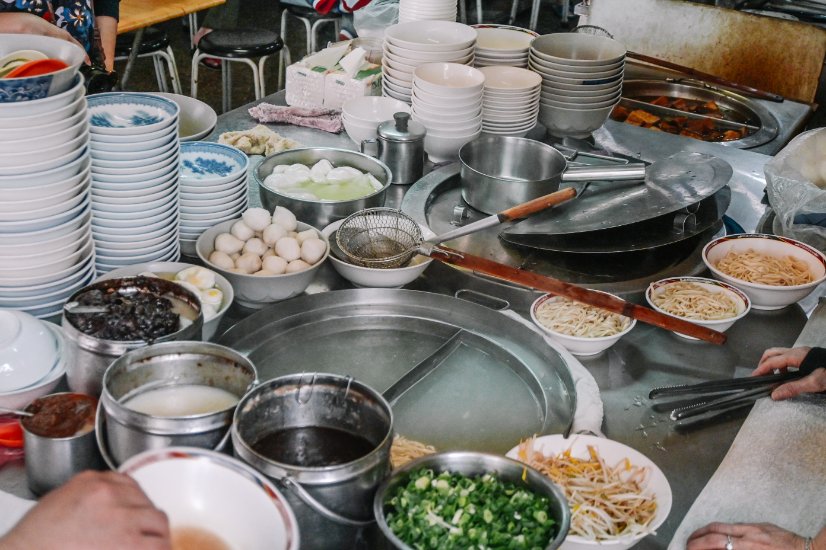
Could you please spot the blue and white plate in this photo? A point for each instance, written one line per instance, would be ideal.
(213, 162)
(121, 113)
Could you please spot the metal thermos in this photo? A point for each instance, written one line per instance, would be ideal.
(400, 145)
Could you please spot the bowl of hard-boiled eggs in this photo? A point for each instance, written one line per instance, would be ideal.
(266, 256)
(214, 290)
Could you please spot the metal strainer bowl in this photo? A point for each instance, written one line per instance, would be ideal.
(382, 238)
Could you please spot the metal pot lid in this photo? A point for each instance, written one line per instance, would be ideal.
(378, 335)
(401, 128)
(670, 185)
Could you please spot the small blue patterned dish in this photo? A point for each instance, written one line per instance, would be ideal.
(213, 162)
(121, 113)
(32, 88)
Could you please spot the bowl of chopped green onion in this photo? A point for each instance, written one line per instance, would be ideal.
(462, 500)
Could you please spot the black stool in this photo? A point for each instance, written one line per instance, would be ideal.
(236, 45)
(312, 21)
(154, 44)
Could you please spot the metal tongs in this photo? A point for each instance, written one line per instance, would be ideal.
(708, 400)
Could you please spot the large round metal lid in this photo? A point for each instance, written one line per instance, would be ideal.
(401, 128)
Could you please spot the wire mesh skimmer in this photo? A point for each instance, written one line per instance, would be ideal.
(382, 238)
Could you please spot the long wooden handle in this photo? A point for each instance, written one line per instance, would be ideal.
(576, 293)
(536, 205)
(760, 94)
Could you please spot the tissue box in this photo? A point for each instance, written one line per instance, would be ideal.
(305, 85)
(338, 88)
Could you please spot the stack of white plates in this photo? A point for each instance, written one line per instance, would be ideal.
(213, 188)
(427, 10)
(510, 104)
(46, 249)
(502, 45)
(581, 80)
(408, 45)
(135, 156)
(447, 100)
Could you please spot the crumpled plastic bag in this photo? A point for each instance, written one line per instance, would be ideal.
(375, 17)
(796, 188)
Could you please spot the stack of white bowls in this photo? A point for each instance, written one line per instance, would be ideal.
(408, 45)
(510, 103)
(581, 80)
(213, 188)
(135, 155)
(362, 115)
(447, 100)
(427, 10)
(46, 249)
(502, 45)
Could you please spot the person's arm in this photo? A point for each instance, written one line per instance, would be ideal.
(752, 536)
(801, 357)
(28, 23)
(108, 27)
(93, 511)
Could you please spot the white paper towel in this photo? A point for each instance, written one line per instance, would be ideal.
(12, 508)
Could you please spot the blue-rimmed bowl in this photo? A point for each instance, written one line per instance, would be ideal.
(213, 163)
(130, 113)
(18, 90)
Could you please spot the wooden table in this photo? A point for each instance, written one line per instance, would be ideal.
(136, 15)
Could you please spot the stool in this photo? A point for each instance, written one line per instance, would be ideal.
(312, 21)
(154, 44)
(236, 45)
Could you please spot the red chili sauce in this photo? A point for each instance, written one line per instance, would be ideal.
(61, 415)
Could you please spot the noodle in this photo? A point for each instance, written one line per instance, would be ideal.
(606, 502)
(404, 450)
(754, 267)
(693, 301)
(575, 319)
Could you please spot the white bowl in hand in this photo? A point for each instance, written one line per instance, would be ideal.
(28, 350)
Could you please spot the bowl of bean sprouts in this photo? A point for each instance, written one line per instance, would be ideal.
(580, 328)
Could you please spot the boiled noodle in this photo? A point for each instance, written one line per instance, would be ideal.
(693, 301)
(575, 319)
(404, 450)
(755, 267)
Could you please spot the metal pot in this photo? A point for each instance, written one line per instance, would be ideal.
(88, 357)
(129, 432)
(500, 172)
(321, 213)
(333, 504)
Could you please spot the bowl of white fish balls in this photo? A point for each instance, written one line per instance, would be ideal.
(321, 185)
(266, 256)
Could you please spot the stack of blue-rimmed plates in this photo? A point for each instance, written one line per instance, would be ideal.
(213, 188)
(46, 248)
(135, 158)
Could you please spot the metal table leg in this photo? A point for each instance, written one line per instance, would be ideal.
(133, 55)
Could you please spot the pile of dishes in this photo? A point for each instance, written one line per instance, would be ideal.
(447, 100)
(362, 115)
(213, 182)
(135, 156)
(581, 80)
(46, 249)
(502, 45)
(427, 10)
(510, 102)
(408, 45)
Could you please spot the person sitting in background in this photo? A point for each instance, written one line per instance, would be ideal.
(92, 511)
(783, 358)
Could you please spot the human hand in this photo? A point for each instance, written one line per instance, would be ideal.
(783, 358)
(28, 23)
(744, 536)
(94, 510)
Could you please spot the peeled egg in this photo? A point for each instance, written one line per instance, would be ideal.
(275, 264)
(297, 265)
(198, 276)
(235, 256)
(242, 230)
(273, 233)
(263, 272)
(255, 246)
(256, 218)
(268, 253)
(284, 218)
(190, 287)
(249, 263)
(304, 235)
(227, 243)
(288, 249)
(312, 250)
(212, 297)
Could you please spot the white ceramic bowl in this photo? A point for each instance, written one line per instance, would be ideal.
(56, 291)
(207, 200)
(37, 109)
(56, 175)
(442, 148)
(577, 123)
(32, 165)
(19, 399)
(132, 141)
(10, 136)
(610, 102)
(511, 79)
(578, 345)
(462, 126)
(449, 79)
(767, 296)
(35, 220)
(49, 245)
(26, 123)
(446, 103)
(29, 154)
(28, 350)
(43, 86)
(147, 177)
(105, 246)
(571, 48)
(556, 87)
(257, 291)
(429, 57)
(431, 36)
(36, 256)
(126, 159)
(368, 277)
(19, 204)
(359, 132)
(10, 276)
(614, 453)
(503, 39)
(370, 109)
(131, 183)
(217, 493)
(571, 71)
(197, 119)
(740, 299)
(47, 284)
(109, 263)
(586, 102)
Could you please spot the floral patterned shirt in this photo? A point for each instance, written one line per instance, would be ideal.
(76, 16)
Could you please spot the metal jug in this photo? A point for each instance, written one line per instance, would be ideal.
(400, 145)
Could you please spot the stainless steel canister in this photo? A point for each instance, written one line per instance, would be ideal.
(88, 357)
(400, 145)
(129, 432)
(333, 504)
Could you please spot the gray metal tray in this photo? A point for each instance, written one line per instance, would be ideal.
(503, 384)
